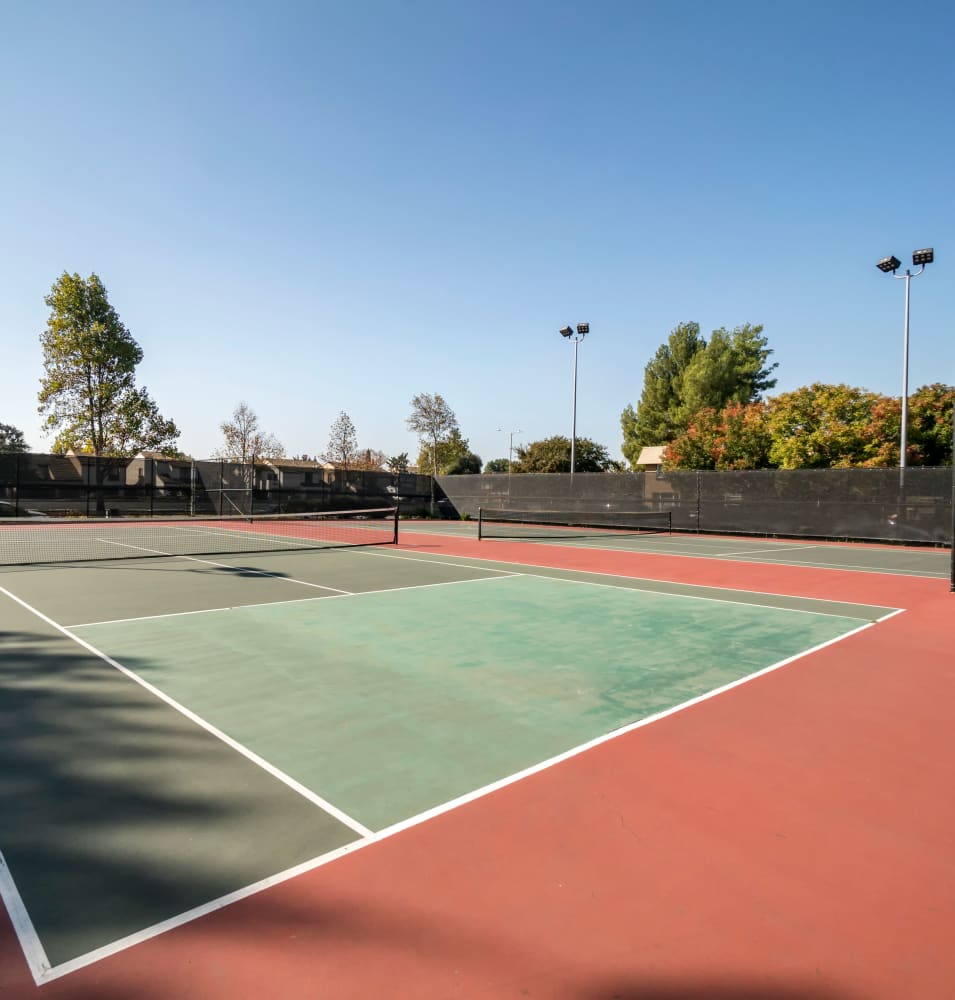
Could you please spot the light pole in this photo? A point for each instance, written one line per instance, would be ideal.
(890, 265)
(582, 330)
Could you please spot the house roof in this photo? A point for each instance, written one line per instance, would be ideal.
(652, 455)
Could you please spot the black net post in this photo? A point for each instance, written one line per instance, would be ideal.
(16, 486)
(952, 536)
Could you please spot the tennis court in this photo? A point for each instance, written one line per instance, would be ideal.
(185, 731)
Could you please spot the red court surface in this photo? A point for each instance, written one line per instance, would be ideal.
(791, 838)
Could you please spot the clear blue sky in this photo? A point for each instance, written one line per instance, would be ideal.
(323, 206)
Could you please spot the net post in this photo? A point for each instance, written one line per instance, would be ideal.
(396, 523)
(951, 585)
(480, 522)
(16, 486)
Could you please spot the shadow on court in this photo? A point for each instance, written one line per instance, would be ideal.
(118, 811)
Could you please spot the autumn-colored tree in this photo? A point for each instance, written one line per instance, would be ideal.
(930, 425)
(736, 437)
(833, 426)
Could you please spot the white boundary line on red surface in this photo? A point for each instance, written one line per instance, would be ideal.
(212, 906)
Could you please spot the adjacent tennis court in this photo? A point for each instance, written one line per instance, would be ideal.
(183, 731)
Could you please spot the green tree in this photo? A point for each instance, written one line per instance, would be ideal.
(833, 426)
(88, 393)
(453, 455)
(12, 439)
(657, 418)
(553, 455)
(497, 465)
(689, 374)
(399, 463)
(930, 425)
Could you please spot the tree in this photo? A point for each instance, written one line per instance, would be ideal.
(12, 439)
(497, 465)
(930, 425)
(655, 420)
(833, 426)
(88, 394)
(553, 455)
(468, 464)
(736, 437)
(370, 459)
(244, 440)
(453, 455)
(342, 447)
(433, 421)
(399, 463)
(689, 374)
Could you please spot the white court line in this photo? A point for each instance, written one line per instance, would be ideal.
(923, 574)
(716, 600)
(299, 600)
(222, 565)
(432, 557)
(402, 825)
(33, 950)
(753, 552)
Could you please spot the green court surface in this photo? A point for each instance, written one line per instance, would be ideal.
(289, 705)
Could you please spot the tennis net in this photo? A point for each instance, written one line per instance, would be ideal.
(559, 524)
(28, 541)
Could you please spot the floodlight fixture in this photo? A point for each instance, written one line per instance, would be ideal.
(919, 258)
(566, 331)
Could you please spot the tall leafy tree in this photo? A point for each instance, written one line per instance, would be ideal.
(689, 374)
(244, 440)
(342, 447)
(553, 455)
(88, 393)
(657, 419)
(452, 456)
(12, 439)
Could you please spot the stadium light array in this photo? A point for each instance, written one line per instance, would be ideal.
(566, 331)
(891, 264)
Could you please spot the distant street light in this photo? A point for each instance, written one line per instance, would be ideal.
(510, 445)
(582, 330)
(891, 265)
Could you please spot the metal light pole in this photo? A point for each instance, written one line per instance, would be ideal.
(582, 330)
(892, 264)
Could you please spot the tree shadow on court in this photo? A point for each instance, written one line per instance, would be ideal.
(119, 812)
